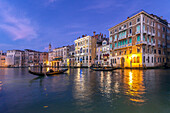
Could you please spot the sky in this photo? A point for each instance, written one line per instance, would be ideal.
(33, 24)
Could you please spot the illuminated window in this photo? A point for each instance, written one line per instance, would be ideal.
(138, 58)
(138, 38)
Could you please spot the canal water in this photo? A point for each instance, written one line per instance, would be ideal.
(85, 91)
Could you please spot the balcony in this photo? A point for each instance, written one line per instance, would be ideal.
(115, 40)
(152, 44)
(144, 31)
(129, 45)
(153, 34)
(149, 43)
(149, 33)
(141, 42)
(123, 37)
(129, 35)
(120, 47)
(137, 32)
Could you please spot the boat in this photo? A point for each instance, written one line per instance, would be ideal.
(47, 73)
(102, 69)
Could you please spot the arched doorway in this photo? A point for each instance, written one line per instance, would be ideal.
(122, 62)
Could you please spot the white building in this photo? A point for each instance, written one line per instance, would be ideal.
(15, 58)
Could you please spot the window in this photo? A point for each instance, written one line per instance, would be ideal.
(143, 59)
(125, 26)
(138, 38)
(130, 23)
(115, 60)
(159, 51)
(115, 30)
(138, 58)
(115, 44)
(110, 39)
(144, 19)
(138, 28)
(163, 29)
(154, 51)
(158, 26)
(119, 28)
(152, 59)
(148, 21)
(130, 40)
(130, 31)
(143, 38)
(138, 20)
(163, 35)
(138, 50)
(158, 34)
(163, 59)
(144, 27)
(148, 39)
(155, 59)
(144, 49)
(115, 37)
(148, 59)
(110, 46)
(160, 59)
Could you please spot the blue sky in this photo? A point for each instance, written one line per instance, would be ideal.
(33, 24)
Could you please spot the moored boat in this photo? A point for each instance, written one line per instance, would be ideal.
(102, 69)
(47, 73)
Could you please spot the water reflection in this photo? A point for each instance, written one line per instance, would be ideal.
(1, 85)
(105, 83)
(134, 85)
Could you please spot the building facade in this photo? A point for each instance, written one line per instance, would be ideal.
(15, 58)
(139, 41)
(32, 57)
(2, 59)
(58, 57)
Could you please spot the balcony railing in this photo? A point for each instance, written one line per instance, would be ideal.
(144, 31)
(153, 34)
(129, 35)
(122, 37)
(149, 33)
(137, 32)
(141, 42)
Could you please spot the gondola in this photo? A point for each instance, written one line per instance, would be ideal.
(48, 73)
(102, 69)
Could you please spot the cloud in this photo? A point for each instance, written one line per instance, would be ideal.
(16, 24)
(102, 5)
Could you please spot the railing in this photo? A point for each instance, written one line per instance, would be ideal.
(129, 35)
(137, 32)
(141, 42)
(153, 34)
(149, 33)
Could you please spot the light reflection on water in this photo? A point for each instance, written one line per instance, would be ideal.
(134, 85)
(83, 90)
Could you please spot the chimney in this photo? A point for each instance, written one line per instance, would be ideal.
(82, 35)
(104, 35)
(94, 33)
(127, 17)
(161, 17)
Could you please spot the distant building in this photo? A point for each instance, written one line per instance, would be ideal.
(32, 57)
(44, 58)
(85, 49)
(2, 59)
(139, 41)
(58, 56)
(15, 58)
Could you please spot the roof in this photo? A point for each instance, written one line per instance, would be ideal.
(138, 13)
